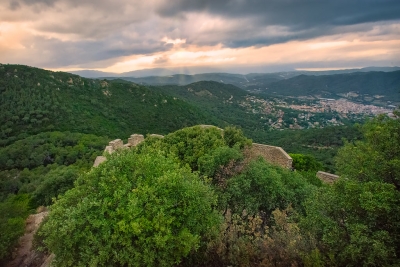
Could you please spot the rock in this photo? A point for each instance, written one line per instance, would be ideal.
(99, 160)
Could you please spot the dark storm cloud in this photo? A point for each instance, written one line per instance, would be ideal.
(303, 19)
(294, 13)
(14, 5)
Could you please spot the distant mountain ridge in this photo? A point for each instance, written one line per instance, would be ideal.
(366, 82)
(193, 71)
(373, 86)
(143, 72)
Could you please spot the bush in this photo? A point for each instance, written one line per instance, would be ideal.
(356, 224)
(55, 182)
(262, 187)
(189, 145)
(305, 163)
(135, 209)
(14, 211)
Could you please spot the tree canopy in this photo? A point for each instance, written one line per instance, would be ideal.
(134, 210)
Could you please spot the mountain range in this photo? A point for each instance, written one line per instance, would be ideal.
(193, 71)
(361, 84)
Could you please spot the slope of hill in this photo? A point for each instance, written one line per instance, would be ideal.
(362, 86)
(223, 101)
(35, 100)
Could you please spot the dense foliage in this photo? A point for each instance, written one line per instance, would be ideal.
(36, 169)
(46, 164)
(377, 158)
(223, 102)
(157, 205)
(197, 197)
(34, 100)
(14, 211)
(135, 209)
(355, 222)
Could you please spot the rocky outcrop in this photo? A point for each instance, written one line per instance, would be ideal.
(24, 255)
(273, 154)
(327, 177)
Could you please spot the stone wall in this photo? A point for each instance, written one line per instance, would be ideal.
(135, 139)
(327, 177)
(273, 154)
(117, 144)
(99, 160)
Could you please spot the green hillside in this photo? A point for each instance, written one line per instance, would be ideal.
(222, 101)
(34, 100)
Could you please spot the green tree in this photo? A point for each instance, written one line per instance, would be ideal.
(262, 187)
(303, 162)
(377, 157)
(133, 210)
(190, 144)
(356, 220)
(355, 223)
(55, 182)
(14, 211)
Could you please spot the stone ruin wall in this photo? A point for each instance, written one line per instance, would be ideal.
(273, 154)
(116, 144)
(327, 177)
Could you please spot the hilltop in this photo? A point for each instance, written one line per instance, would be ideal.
(224, 101)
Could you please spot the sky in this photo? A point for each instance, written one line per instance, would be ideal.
(227, 35)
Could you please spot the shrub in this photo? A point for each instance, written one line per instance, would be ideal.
(133, 210)
(14, 211)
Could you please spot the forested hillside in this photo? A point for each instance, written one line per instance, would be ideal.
(35, 100)
(222, 101)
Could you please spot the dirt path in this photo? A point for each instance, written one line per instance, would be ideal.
(24, 256)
